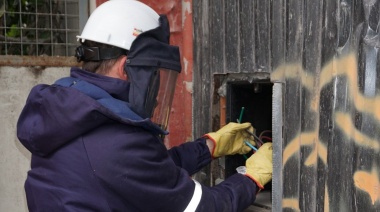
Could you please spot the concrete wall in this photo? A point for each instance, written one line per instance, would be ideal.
(15, 84)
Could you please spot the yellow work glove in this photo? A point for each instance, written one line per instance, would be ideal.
(229, 140)
(259, 165)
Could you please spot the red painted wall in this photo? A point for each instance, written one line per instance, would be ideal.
(179, 14)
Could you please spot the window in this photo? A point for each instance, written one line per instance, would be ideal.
(41, 27)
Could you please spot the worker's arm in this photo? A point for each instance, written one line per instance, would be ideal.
(192, 156)
(229, 140)
(141, 172)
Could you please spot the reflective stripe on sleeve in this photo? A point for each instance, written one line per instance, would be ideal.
(194, 202)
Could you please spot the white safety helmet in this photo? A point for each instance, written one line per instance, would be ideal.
(119, 22)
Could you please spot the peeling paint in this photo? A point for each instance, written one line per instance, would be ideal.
(185, 64)
(186, 11)
(188, 86)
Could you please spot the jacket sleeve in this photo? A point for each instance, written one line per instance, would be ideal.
(191, 156)
(236, 193)
(135, 167)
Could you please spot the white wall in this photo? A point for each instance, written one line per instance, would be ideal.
(15, 84)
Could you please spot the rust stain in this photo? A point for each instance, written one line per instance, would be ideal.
(368, 182)
(49, 61)
(223, 111)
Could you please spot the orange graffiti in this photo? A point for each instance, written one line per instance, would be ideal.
(306, 139)
(291, 203)
(344, 122)
(340, 66)
(368, 182)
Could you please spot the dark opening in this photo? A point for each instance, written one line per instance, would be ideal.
(256, 99)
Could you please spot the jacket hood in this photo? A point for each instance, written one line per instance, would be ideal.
(56, 114)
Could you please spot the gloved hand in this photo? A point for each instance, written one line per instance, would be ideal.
(259, 165)
(229, 140)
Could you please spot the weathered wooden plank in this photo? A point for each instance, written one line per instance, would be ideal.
(201, 77)
(278, 30)
(201, 73)
(217, 39)
(263, 35)
(309, 118)
(247, 36)
(293, 92)
(232, 44)
(328, 51)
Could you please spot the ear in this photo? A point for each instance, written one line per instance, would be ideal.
(120, 68)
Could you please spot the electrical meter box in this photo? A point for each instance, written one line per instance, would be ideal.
(248, 100)
(249, 103)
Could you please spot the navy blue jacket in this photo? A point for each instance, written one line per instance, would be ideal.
(90, 152)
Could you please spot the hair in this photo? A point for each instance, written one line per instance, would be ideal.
(101, 67)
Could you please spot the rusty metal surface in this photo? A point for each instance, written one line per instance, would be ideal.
(43, 61)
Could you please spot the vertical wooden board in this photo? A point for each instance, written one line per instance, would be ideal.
(278, 30)
(359, 14)
(310, 122)
(312, 38)
(292, 105)
(294, 30)
(232, 43)
(247, 36)
(292, 143)
(367, 160)
(329, 31)
(217, 39)
(201, 73)
(340, 151)
(325, 137)
(263, 35)
(328, 51)
(345, 114)
(201, 78)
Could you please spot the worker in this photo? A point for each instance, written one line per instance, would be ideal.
(96, 136)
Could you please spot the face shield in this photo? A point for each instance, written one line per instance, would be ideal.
(162, 98)
(152, 67)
